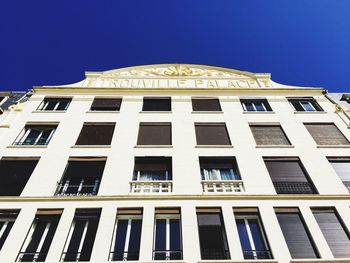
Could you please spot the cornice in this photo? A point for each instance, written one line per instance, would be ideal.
(138, 197)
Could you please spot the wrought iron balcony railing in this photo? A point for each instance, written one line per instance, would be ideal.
(222, 186)
(257, 254)
(167, 254)
(141, 187)
(215, 253)
(123, 255)
(347, 184)
(294, 188)
(76, 189)
(31, 257)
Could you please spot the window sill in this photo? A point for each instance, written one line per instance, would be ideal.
(333, 146)
(49, 111)
(27, 146)
(102, 111)
(91, 146)
(156, 111)
(5, 126)
(259, 112)
(310, 112)
(153, 146)
(319, 260)
(274, 146)
(214, 146)
(207, 112)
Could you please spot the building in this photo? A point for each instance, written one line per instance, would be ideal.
(186, 163)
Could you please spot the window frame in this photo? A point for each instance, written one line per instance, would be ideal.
(311, 101)
(206, 98)
(255, 216)
(106, 98)
(167, 217)
(264, 103)
(144, 109)
(130, 218)
(45, 102)
(214, 124)
(25, 132)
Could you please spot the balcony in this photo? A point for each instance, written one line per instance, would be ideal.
(66, 189)
(167, 254)
(294, 188)
(257, 254)
(149, 187)
(222, 186)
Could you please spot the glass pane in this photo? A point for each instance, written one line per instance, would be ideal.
(74, 243)
(134, 243)
(120, 240)
(62, 105)
(6, 231)
(256, 234)
(243, 235)
(32, 136)
(259, 106)
(227, 174)
(152, 175)
(249, 106)
(175, 234)
(51, 105)
(307, 106)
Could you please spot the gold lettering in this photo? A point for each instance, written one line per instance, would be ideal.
(232, 84)
(242, 83)
(199, 83)
(181, 83)
(252, 83)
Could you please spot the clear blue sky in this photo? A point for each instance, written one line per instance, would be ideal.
(301, 42)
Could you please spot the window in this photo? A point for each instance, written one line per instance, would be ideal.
(289, 176)
(269, 135)
(212, 234)
(40, 235)
(81, 236)
(82, 176)
(212, 134)
(7, 219)
(15, 173)
(251, 234)
(219, 168)
(54, 104)
(98, 133)
(167, 235)
(345, 97)
(304, 104)
(152, 175)
(341, 165)
(255, 105)
(35, 135)
(334, 231)
(206, 104)
(326, 134)
(152, 169)
(295, 233)
(127, 235)
(156, 104)
(151, 133)
(106, 104)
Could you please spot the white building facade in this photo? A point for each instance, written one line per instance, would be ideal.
(182, 163)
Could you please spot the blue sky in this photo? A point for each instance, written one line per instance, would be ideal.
(301, 42)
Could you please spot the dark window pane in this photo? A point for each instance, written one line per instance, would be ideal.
(269, 135)
(135, 238)
(305, 104)
(334, 232)
(106, 104)
(326, 134)
(120, 240)
(5, 226)
(212, 134)
(96, 134)
(154, 134)
(160, 234)
(255, 105)
(153, 168)
(175, 235)
(156, 104)
(243, 234)
(14, 175)
(296, 235)
(206, 104)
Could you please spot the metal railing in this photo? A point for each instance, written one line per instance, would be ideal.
(347, 184)
(215, 253)
(294, 188)
(167, 254)
(75, 256)
(31, 257)
(222, 186)
(43, 141)
(137, 187)
(257, 254)
(65, 189)
(123, 255)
